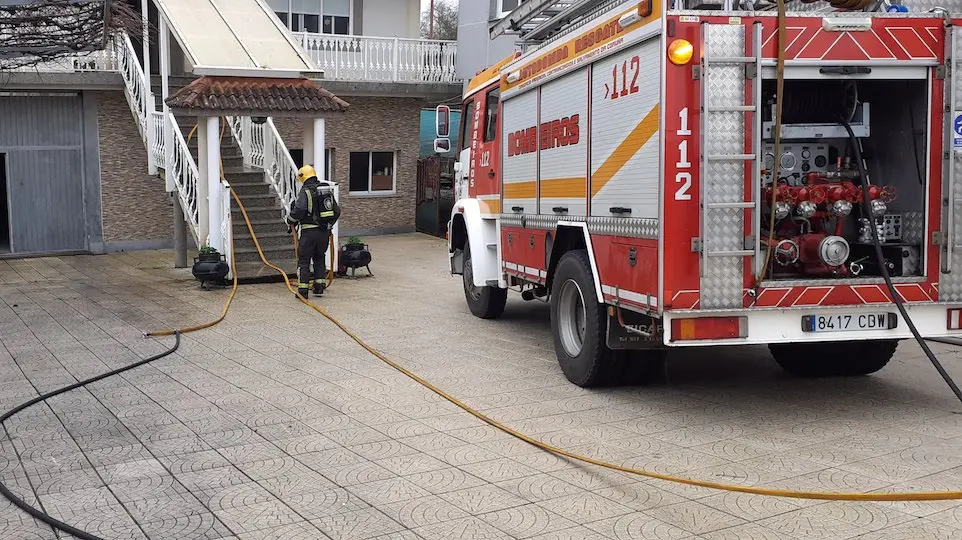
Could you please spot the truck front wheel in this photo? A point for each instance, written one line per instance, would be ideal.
(485, 302)
(578, 322)
(834, 359)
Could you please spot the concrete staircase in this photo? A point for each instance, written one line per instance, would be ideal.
(260, 200)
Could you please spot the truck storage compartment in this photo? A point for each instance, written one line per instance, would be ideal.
(821, 230)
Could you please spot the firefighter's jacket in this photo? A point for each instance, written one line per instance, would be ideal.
(312, 210)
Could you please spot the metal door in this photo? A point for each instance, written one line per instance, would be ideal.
(43, 139)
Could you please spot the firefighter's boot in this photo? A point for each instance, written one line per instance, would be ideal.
(302, 293)
(318, 288)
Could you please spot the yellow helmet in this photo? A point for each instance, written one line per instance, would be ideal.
(305, 173)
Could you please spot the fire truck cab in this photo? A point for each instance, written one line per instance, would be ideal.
(669, 173)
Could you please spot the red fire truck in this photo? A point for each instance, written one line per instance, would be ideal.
(662, 179)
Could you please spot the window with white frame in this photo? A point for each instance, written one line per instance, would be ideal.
(314, 16)
(372, 173)
(507, 6)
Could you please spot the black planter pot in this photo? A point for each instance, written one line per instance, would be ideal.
(354, 256)
(210, 268)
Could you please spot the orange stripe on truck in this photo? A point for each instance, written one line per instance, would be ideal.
(520, 190)
(564, 188)
(490, 206)
(640, 135)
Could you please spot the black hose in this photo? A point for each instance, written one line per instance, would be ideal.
(867, 208)
(39, 514)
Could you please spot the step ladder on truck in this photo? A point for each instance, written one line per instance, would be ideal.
(668, 175)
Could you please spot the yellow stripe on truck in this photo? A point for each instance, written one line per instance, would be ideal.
(640, 135)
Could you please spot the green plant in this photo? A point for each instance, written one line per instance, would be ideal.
(206, 250)
(354, 240)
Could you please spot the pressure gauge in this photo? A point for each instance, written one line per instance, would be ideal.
(788, 161)
(806, 154)
(769, 161)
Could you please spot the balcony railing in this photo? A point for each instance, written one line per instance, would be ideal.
(105, 60)
(382, 59)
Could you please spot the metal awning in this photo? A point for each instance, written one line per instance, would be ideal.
(534, 21)
(240, 38)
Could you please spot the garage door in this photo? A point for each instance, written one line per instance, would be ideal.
(42, 137)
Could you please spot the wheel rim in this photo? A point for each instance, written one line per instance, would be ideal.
(572, 318)
(469, 286)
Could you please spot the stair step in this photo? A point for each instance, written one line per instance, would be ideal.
(258, 271)
(266, 239)
(282, 254)
(260, 201)
(245, 189)
(241, 175)
(258, 214)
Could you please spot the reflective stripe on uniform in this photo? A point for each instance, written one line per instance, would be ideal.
(327, 214)
(303, 285)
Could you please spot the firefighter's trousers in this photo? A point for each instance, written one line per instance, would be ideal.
(311, 248)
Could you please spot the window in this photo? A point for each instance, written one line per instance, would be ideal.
(297, 154)
(507, 6)
(314, 16)
(467, 120)
(372, 173)
(491, 115)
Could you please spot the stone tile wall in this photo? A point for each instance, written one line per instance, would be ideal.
(371, 124)
(136, 209)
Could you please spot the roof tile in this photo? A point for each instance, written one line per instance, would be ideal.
(257, 94)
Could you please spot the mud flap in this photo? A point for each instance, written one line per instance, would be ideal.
(618, 338)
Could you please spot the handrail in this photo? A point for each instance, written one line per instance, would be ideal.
(263, 148)
(185, 176)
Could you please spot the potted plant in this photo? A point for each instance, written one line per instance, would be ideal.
(354, 254)
(209, 266)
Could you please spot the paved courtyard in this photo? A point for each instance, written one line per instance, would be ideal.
(275, 425)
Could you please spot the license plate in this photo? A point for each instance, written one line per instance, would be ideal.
(849, 322)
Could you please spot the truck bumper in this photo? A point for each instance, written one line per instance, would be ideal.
(689, 328)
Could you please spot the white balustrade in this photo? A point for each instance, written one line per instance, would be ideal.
(226, 229)
(183, 170)
(381, 59)
(157, 137)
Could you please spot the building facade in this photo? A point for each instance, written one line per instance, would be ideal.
(474, 19)
(77, 134)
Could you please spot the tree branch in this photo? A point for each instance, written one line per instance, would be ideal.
(47, 30)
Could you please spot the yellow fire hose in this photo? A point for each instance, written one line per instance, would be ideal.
(818, 495)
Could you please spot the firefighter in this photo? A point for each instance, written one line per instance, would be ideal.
(314, 212)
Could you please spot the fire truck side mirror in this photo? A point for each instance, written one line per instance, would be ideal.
(442, 146)
(442, 122)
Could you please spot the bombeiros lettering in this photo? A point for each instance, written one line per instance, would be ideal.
(554, 134)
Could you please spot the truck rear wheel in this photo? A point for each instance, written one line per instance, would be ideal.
(485, 302)
(834, 359)
(578, 323)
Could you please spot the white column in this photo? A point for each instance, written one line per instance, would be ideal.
(203, 208)
(318, 148)
(165, 93)
(308, 144)
(146, 39)
(214, 191)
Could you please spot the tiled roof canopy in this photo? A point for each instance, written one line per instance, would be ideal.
(255, 97)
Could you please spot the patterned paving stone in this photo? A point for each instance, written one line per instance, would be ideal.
(248, 432)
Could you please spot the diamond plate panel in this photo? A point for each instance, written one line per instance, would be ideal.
(632, 228)
(913, 227)
(722, 181)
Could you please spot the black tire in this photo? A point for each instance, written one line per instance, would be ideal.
(583, 356)
(839, 359)
(485, 302)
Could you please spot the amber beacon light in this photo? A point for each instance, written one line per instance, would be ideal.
(680, 51)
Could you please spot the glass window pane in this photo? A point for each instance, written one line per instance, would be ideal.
(297, 22)
(509, 5)
(491, 115)
(359, 171)
(342, 25)
(312, 23)
(467, 120)
(337, 7)
(382, 176)
(282, 16)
